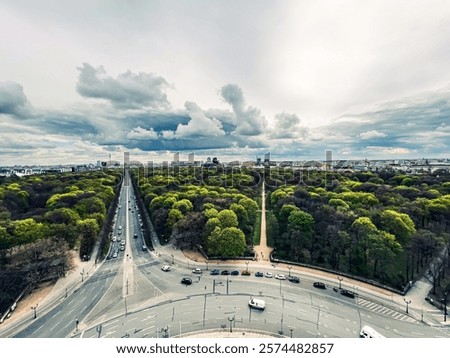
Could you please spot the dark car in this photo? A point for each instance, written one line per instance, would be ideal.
(259, 274)
(225, 272)
(294, 279)
(215, 272)
(347, 293)
(319, 285)
(186, 281)
(234, 273)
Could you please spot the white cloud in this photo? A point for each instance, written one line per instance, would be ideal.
(199, 125)
(140, 133)
(372, 134)
(388, 150)
(249, 120)
(287, 125)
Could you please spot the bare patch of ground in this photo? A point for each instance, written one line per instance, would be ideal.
(193, 255)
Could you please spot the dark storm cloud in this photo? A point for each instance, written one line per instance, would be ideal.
(127, 90)
(13, 100)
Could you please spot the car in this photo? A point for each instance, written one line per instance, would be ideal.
(268, 275)
(114, 238)
(144, 248)
(114, 255)
(294, 279)
(120, 227)
(135, 236)
(225, 272)
(165, 268)
(122, 248)
(197, 270)
(186, 281)
(259, 274)
(319, 285)
(347, 293)
(215, 272)
(257, 303)
(234, 273)
(280, 276)
(246, 273)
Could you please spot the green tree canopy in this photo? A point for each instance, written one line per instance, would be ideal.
(227, 218)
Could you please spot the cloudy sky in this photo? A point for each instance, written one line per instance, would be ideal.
(80, 80)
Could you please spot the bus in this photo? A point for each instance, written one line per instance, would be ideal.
(369, 332)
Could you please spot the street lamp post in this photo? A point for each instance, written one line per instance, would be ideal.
(231, 319)
(282, 314)
(34, 311)
(289, 268)
(207, 268)
(340, 282)
(82, 275)
(407, 304)
(246, 265)
(445, 306)
(172, 259)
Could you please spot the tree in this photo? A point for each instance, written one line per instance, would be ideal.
(383, 248)
(40, 257)
(184, 205)
(211, 224)
(398, 224)
(242, 216)
(227, 218)
(361, 229)
(28, 230)
(229, 242)
(251, 207)
(89, 230)
(300, 231)
(174, 216)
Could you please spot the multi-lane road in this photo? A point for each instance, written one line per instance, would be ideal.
(129, 295)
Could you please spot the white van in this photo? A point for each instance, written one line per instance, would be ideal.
(257, 303)
(369, 332)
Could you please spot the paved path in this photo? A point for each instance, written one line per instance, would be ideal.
(262, 250)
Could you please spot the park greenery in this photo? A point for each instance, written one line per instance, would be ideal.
(386, 226)
(211, 209)
(43, 217)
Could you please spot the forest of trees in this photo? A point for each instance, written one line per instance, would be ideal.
(42, 217)
(214, 209)
(385, 226)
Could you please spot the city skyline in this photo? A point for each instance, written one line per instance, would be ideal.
(241, 79)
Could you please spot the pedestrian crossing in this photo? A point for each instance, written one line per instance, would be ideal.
(380, 309)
